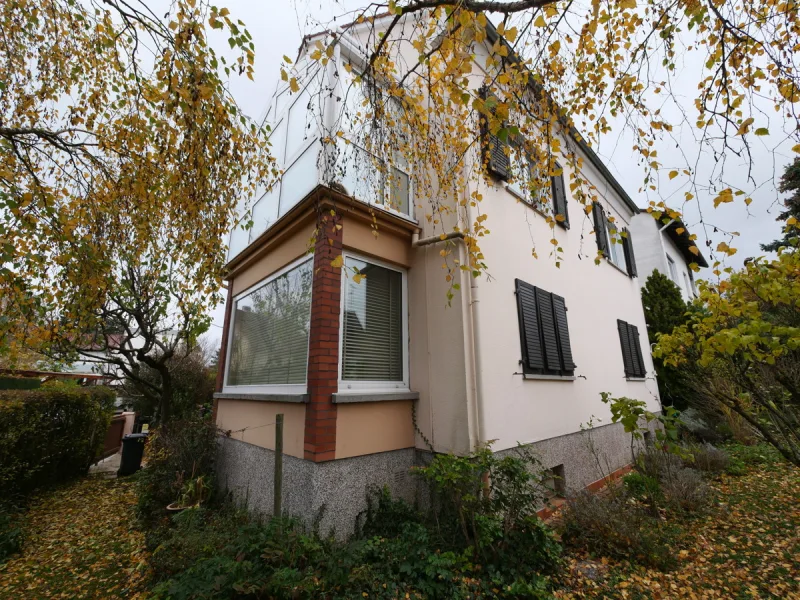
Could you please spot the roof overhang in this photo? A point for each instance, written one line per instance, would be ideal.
(684, 243)
(319, 200)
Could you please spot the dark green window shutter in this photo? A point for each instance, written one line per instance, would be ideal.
(624, 341)
(495, 150)
(560, 200)
(631, 349)
(600, 228)
(636, 351)
(627, 247)
(560, 314)
(547, 322)
(530, 335)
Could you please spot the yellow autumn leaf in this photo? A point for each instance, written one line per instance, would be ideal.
(789, 91)
(539, 22)
(745, 126)
(673, 174)
(293, 85)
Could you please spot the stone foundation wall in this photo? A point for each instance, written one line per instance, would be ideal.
(587, 456)
(331, 494)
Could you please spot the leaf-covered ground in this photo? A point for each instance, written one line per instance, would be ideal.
(80, 542)
(747, 546)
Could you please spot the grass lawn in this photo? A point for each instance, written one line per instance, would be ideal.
(746, 546)
(80, 542)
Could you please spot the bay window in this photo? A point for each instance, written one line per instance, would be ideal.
(268, 343)
(374, 330)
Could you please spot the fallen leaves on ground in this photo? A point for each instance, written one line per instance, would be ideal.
(80, 542)
(747, 546)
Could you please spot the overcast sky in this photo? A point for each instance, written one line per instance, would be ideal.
(278, 26)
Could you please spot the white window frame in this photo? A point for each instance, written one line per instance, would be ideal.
(673, 270)
(366, 387)
(543, 202)
(292, 388)
(616, 254)
(359, 62)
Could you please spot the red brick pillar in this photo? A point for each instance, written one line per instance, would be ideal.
(323, 346)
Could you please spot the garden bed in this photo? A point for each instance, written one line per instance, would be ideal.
(746, 546)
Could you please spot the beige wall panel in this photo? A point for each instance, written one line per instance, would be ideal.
(387, 246)
(287, 250)
(257, 416)
(370, 427)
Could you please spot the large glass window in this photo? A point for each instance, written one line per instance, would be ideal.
(372, 323)
(269, 334)
(372, 167)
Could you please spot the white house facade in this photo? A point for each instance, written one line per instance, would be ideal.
(372, 375)
(666, 246)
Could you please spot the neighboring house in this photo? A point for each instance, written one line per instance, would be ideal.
(371, 375)
(667, 247)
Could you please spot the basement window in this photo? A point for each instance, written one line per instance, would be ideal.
(553, 483)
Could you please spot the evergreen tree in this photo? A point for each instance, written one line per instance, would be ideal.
(790, 183)
(664, 310)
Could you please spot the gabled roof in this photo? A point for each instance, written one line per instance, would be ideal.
(684, 242)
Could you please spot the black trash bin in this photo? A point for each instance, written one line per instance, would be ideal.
(132, 451)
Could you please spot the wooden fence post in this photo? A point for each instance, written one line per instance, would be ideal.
(278, 492)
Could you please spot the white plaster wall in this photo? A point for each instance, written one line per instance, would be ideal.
(647, 246)
(517, 410)
(651, 248)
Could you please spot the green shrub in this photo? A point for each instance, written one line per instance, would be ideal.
(708, 459)
(176, 453)
(685, 490)
(48, 436)
(642, 487)
(488, 503)
(225, 554)
(19, 383)
(11, 535)
(742, 457)
(397, 551)
(608, 524)
(657, 463)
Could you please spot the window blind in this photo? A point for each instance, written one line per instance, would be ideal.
(372, 338)
(269, 344)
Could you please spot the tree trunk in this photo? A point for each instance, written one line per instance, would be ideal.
(165, 400)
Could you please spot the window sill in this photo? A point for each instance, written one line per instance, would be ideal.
(292, 398)
(618, 268)
(519, 196)
(636, 378)
(541, 377)
(352, 398)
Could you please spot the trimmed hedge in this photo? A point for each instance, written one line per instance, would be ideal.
(50, 435)
(19, 383)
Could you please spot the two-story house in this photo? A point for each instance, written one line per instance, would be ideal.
(337, 317)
